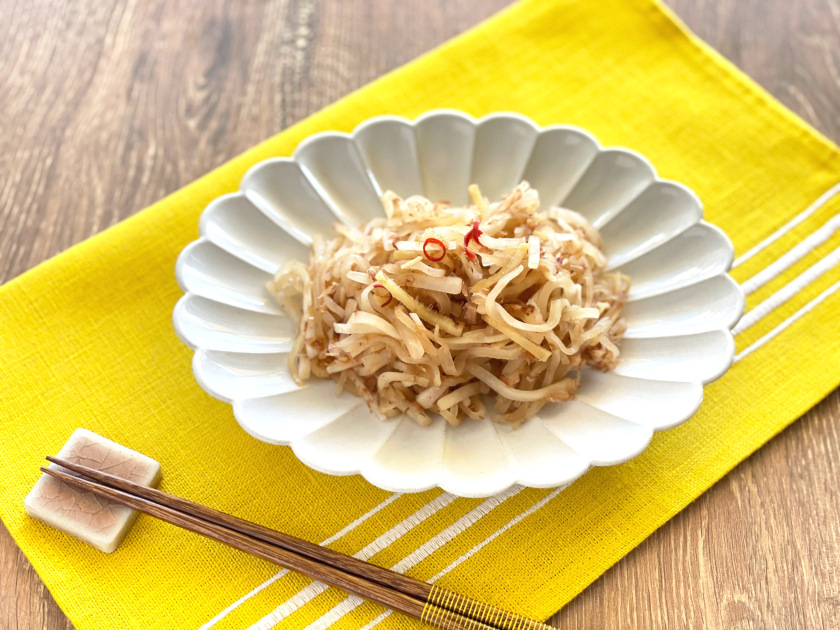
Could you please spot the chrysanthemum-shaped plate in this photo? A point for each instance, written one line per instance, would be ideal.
(682, 303)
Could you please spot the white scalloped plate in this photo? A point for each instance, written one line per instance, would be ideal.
(682, 302)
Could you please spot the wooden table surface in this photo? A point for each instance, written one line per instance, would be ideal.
(108, 106)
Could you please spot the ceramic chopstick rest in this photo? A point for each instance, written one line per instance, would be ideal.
(91, 519)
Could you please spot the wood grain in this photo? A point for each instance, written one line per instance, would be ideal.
(168, 90)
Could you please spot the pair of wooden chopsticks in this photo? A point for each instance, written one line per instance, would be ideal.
(402, 593)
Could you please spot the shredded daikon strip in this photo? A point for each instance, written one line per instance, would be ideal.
(499, 243)
(538, 351)
(430, 396)
(414, 246)
(477, 199)
(423, 311)
(418, 265)
(533, 252)
(358, 276)
(385, 378)
(451, 284)
(562, 390)
(365, 323)
(511, 263)
(455, 397)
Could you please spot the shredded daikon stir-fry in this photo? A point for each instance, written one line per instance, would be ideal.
(431, 308)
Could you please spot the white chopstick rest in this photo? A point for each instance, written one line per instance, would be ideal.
(93, 520)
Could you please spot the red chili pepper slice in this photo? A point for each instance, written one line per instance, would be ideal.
(473, 234)
(439, 243)
(390, 297)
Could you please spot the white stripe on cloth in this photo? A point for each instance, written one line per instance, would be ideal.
(546, 499)
(283, 572)
(421, 553)
(378, 620)
(788, 291)
(787, 227)
(793, 256)
(311, 591)
(244, 599)
(362, 519)
(810, 306)
(330, 617)
(400, 529)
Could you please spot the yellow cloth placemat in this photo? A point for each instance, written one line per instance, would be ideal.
(86, 340)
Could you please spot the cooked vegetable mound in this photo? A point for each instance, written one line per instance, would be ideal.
(432, 308)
